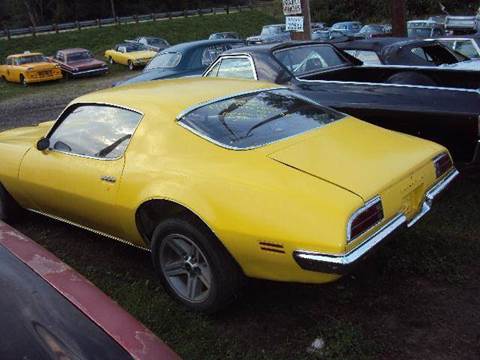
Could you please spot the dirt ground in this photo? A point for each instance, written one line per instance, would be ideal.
(417, 298)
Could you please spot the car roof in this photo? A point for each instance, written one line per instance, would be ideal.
(72, 50)
(379, 44)
(199, 43)
(24, 54)
(172, 96)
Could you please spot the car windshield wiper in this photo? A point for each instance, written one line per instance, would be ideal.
(105, 151)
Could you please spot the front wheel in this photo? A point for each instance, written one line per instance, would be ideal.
(130, 65)
(23, 81)
(193, 266)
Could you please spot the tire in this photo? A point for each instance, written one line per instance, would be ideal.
(23, 81)
(9, 209)
(110, 60)
(131, 67)
(193, 266)
(411, 78)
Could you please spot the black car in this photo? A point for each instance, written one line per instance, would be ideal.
(434, 103)
(186, 59)
(401, 51)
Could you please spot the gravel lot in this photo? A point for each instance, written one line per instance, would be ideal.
(44, 102)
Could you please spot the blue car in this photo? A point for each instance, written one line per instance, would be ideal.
(346, 28)
(186, 59)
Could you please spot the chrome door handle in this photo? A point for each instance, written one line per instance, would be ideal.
(110, 179)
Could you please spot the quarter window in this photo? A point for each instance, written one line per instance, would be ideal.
(367, 57)
(235, 68)
(95, 130)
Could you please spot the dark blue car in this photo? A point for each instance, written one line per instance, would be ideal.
(186, 59)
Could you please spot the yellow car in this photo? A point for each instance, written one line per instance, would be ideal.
(131, 54)
(29, 68)
(222, 179)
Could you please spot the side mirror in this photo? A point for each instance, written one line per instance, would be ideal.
(43, 144)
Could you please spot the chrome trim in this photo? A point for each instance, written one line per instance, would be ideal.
(89, 229)
(86, 71)
(222, 98)
(339, 262)
(232, 56)
(368, 204)
(432, 194)
(51, 131)
(477, 91)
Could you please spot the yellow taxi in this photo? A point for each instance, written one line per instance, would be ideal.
(28, 68)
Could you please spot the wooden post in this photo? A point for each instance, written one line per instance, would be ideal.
(154, 17)
(399, 17)
(55, 27)
(169, 15)
(7, 30)
(78, 25)
(185, 14)
(228, 9)
(214, 11)
(34, 32)
(99, 23)
(306, 34)
(135, 18)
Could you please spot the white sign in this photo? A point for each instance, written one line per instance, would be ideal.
(294, 23)
(292, 7)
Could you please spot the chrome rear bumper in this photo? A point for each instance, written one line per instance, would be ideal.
(340, 264)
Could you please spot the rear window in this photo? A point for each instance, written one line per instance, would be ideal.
(307, 59)
(166, 60)
(256, 119)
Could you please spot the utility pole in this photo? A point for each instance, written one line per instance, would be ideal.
(112, 3)
(399, 17)
(306, 34)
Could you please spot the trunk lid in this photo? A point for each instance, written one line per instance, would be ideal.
(361, 158)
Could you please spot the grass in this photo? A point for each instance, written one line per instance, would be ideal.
(98, 40)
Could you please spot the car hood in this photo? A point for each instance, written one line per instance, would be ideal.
(464, 65)
(141, 54)
(359, 157)
(41, 66)
(155, 75)
(86, 64)
(27, 134)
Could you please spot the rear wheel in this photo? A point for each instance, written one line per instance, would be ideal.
(193, 266)
(9, 209)
(130, 65)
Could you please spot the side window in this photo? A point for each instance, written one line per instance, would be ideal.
(9, 61)
(122, 49)
(239, 68)
(421, 54)
(143, 41)
(95, 130)
(214, 70)
(367, 57)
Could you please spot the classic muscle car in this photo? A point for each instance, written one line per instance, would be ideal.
(51, 312)
(131, 54)
(150, 42)
(467, 45)
(28, 68)
(79, 62)
(438, 104)
(186, 59)
(425, 29)
(345, 28)
(373, 31)
(224, 178)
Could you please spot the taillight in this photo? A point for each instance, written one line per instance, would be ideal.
(442, 163)
(365, 218)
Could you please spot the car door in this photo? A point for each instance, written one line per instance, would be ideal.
(8, 66)
(77, 177)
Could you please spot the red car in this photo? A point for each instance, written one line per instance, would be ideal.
(79, 62)
(49, 311)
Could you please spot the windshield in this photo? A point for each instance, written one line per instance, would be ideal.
(165, 60)
(29, 59)
(272, 30)
(254, 120)
(131, 47)
(306, 59)
(84, 55)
